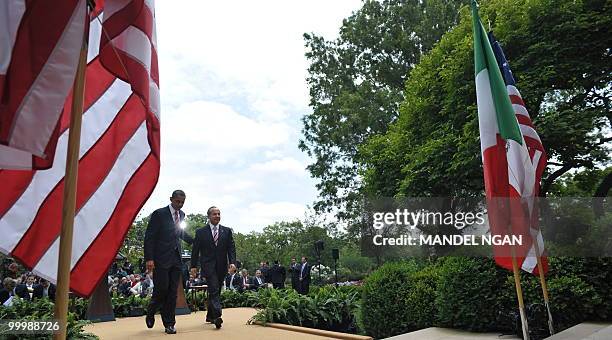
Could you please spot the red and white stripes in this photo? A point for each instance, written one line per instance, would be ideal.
(38, 70)
(119, 155)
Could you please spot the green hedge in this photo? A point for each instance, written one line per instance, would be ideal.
(471, 294)
(474, 294)
(388, 295)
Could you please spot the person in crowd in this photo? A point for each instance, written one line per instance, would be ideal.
(44, 289)
(4, 293)
(233, 280)
(294, 269)
(26, 290)
(277, 275)
(265, 271)
(247, 281)
(304, 276)
(9, 285)
(124, 287)
(215, 244)
(258, 280)
(162, 253)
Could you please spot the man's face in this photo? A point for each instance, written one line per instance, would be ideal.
(30, 280)
(13, 267)
(215, 216)
(258, 273)
(292, 261)
(177, 202)
(303, 260)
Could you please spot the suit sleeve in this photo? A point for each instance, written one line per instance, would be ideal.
(195, 250)
(186, 237)
(150, 236)
(231, 249)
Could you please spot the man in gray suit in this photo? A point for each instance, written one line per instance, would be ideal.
(215, 244)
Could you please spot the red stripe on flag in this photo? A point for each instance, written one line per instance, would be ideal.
(514, 99)
(524, 120)
(94, 263)
(120, 20)
(38, 34)
(93, 168)
(137, 74)
(14, 182)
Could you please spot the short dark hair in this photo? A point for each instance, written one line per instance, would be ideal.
(176, 193)
(209, 209)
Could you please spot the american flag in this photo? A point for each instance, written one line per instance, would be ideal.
(534, 146)
(119, 150)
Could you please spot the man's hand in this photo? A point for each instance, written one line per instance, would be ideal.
(232, 268)
(194, 271)
(150, 266)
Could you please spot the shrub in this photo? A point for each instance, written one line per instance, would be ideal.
(471, 293)
(386, 297)
(328, 308)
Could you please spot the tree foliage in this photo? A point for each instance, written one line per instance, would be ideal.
(356, 85)
(433, 148)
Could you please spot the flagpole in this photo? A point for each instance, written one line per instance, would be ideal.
(551, 327)
(69, 199)
(519, 295)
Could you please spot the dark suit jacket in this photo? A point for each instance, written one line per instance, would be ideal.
(256, 284)
(306, 273)
(4, 295)
(236, 283)
(211, 257)
(163, 239)
(22, 291)
(38, 291)
(277, 274)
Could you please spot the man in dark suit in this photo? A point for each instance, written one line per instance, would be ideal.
(26, 290)
(294, 269)
(44, 289)
(258, 280)
(215, 244)
(277, 275)
(162, 253)
(233, 281)
(304, 276)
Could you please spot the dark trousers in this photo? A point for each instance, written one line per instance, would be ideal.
(304, 287)
(214, 282)
(165, 285)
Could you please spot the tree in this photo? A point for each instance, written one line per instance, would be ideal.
(433, 147)
(133, 244)
(356, 85)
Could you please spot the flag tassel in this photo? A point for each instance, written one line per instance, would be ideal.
(69, 196)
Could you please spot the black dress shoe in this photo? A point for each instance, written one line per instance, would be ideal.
(218, 322)
(209, 320)
(150, 320)
(170, 330)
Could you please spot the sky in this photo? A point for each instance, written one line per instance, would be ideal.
(233, 91)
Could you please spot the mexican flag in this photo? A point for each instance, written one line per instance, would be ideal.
(512, 154)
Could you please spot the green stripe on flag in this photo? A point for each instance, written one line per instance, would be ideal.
(484, 60)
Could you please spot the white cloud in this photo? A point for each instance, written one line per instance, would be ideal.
(233, 91)
(287, 165)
